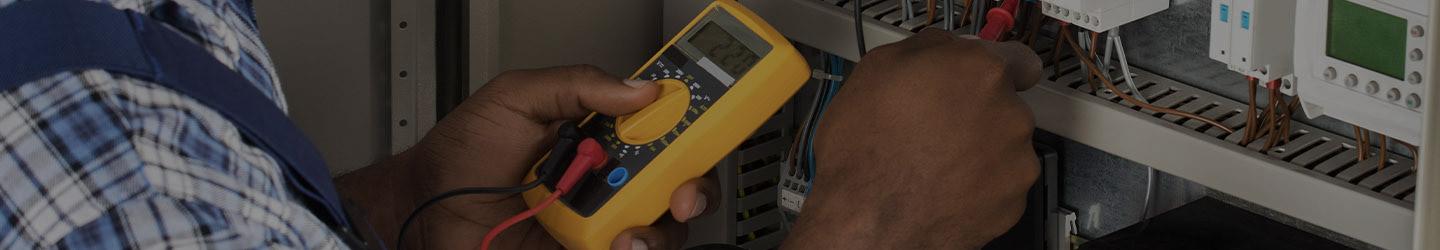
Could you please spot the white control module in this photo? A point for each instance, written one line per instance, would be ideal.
(1364, 62)
(1101, 15)
(1255, 38)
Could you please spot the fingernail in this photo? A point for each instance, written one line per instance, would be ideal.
(638, 83)
(638, 244)
(700, 204)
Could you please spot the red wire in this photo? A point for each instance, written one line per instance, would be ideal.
(490, 236)
(589, 156)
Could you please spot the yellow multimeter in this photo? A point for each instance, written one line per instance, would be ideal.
(721, 78)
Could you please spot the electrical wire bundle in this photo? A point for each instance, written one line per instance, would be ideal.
(1109, 84)
(1274, 123)
(1362, 147)
(1278, 115)
(802, 151)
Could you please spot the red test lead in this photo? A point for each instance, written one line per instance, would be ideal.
(999, 20)
(588, 156)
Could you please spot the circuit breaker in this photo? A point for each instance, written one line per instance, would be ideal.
(1365, 62)
(1255, 38)
(1101, 15)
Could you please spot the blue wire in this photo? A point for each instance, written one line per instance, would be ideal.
(835, 68)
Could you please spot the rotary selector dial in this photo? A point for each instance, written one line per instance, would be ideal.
(659, 118)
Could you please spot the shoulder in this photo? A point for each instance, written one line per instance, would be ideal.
(225, 28)
(87, 151)
(95, 157)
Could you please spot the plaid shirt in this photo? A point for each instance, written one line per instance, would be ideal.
(96, 160)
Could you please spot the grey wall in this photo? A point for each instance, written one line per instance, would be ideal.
(331, 57)
(617, 36)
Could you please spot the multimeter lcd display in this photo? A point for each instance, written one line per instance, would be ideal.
(722, 48)
(1367, 38)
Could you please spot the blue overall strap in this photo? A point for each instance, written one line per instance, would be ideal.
(43, 38)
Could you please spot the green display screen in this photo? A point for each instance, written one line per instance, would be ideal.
(1367, 38)
(722, 48)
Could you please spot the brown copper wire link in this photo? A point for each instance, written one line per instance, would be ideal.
(930, 11)
(1289, 116)
(966, 16)
(1272, 118)
(1250, 126)
(1034, 21)
(1414, 154)
(1055, 54)
(1384, 152)
(1089, 78)
(1360, 143)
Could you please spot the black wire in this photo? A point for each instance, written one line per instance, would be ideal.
(458, 192)
(859, 34)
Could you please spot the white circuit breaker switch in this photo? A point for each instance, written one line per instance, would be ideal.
(1101, 15)
(1365, 62)
(1254, 37)
(1220, 31)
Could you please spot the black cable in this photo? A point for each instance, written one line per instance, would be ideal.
(859, 34)
(458, 192)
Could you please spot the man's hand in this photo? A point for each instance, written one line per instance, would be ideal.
(926, 146)
(492, 140)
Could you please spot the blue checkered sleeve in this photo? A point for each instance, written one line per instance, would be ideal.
(95, 160)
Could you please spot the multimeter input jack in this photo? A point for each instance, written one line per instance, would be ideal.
(617, 177)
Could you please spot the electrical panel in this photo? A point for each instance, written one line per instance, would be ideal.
(1255, 38)
(1326, 53)
(1365, 62)
(1101, 15)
